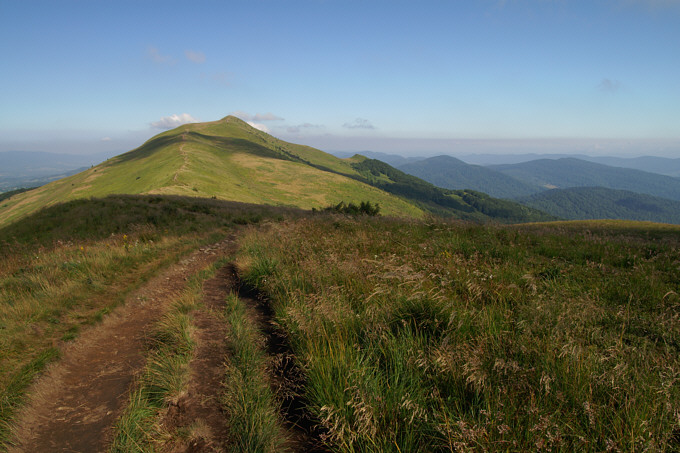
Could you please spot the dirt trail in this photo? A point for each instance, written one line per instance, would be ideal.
(200, 408)
(73, 407)
(185, 156)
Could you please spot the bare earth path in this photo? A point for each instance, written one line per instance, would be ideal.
(74, 405)
(201, 405)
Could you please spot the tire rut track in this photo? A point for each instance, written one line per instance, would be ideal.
(286, 378)
(74, 405)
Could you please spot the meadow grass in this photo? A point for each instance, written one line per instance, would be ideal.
(248, 399)
(67, 266)
(433, 336)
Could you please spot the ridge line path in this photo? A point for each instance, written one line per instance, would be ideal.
(184, 155)
(73, 406)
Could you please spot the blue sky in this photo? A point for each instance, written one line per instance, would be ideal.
(598, 76)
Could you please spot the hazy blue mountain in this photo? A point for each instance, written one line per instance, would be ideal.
(580, 203)
(502, 159)
(566, 173)
(35, 168)
(394, 160)
(661, 165)
(452, 173)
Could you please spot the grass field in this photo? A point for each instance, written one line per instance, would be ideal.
(455, 337)
(410, 335)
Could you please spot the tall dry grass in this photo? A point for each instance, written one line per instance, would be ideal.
(439, 336)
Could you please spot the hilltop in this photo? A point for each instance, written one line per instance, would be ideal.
(230, 160)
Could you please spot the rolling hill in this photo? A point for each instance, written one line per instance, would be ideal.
(452, 173)
(581, 203)
(569, 172)
(230, 160)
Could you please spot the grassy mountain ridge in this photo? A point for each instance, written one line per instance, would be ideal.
(602, 203)
(230, 160)
(452, 173)
(569, 172)
(226, 159)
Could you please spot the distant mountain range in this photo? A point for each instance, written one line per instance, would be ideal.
(452, 173)
(570, 172)
(230, 160)
(590, 190)
(394, 160)
(661, 165)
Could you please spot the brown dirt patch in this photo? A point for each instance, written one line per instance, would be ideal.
(73, 407)
(199, 411)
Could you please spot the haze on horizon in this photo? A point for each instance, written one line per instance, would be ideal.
(501, 76)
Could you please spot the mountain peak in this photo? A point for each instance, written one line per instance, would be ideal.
(231, 119)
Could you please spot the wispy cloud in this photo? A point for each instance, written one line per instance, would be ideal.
(300, 127)
(153, 54)
(359, 123)
(245, 116)
(172, 121)
(194, 56)
(266, 117)
(609, 86)
(106, 139)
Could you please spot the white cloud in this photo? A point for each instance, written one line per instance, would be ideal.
(245, 116)
(266, 117)
(154, 55)
(359, 123)
(195, 57)
(297, 129)
(106, 139)
(172, 121)
(259, 126)
(241, 114)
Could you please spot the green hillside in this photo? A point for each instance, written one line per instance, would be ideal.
(230, 160)
(452, 173)
(226, 159)
(600, 203)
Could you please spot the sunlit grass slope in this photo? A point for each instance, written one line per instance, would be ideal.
(226, 159)
(442, 337)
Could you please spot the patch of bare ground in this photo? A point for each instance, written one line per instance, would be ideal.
(199, 411)
(184, 156)
(73, 406)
